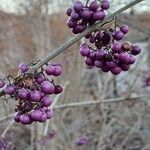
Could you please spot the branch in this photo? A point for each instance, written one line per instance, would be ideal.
(112, 100)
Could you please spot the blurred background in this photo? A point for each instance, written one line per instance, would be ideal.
(29, 30)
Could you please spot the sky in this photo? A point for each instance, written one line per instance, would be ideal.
(12, 6)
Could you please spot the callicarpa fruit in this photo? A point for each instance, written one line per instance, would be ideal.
(106, 51)
(33, 92)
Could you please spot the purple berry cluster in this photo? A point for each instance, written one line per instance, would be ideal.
(33, 93)
(109, 54)
(80, 16)
(5, 144)
(105, 49)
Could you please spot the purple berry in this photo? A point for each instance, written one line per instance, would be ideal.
(98, 64)
(131, 59)
(105, 4)
(75, 16)
(123, 57)
(100, 54)
(49, 70)
(69, 11)
(17, 116)
(2, 83)
(93, 6)
(57, 71)
(36, 115)
(71, 23)
(84, 50)
(89, 61)
(92, 55)
(58, 89)
(10, 89)
(43, 117)
(125, 67)
(47, 87)
(35, 96)
(78, 6)
(135, 50)
(116, 48)
(99, 15)
(49, 113)
(116, 70)
(111, 64)
(79, 28)
(25, 119)
(118, 35)
(23, 67)
(46, 101)
(86, 14)
(23, 93)
(124, 29)
(39, 78)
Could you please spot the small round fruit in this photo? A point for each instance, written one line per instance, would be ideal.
(36, 115)
(57, 71)
(23, 67)
(69, 11)
(49, 113)
(116, 70)
(124, 29)
(135, 50)
(118, 35)
(78, 6)
(10, 89)
(58, 89)
(105, 4)
(25, 119)
(35, 96)
(49, 70)
(46, 101)
(47, 87)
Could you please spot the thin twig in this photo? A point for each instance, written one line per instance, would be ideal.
(112, 100)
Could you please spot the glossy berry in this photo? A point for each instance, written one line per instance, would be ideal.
(49, 114)
(78, 6)
(116, 70)
(25, 119)
(39, 78)
(105, 4)
(10, 89)
(116, 48)
(17, 117)
(84, 50)
(93, 6)
(23, 67)
(99, 15)
(23, 93)
(118, 35)
(124, 29)
(57, 71)
(136, 50)
(36, 115)
(49, 69)
(35, 96)
(69, 11)
(47, 87)
(46, 101)
(58, 89)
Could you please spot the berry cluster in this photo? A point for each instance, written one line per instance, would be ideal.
(83, 15)
(5, 144)
(105, 50)
(32, 93)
